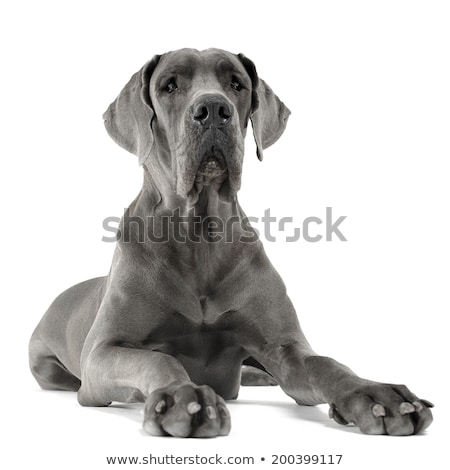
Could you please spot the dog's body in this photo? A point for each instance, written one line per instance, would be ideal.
(174, 320)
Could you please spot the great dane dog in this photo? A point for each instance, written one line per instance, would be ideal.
(177, 317)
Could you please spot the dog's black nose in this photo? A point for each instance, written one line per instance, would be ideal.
(212, 110)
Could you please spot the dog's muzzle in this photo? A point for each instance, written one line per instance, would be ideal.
(211, 115)
(215, 149)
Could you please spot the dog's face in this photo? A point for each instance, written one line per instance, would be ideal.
(185, 114)
(202, 103)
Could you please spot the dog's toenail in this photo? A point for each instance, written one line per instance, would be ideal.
(160, 406)
(193, 407)
(222, 412)
(211, 412)
(418, 406)
(427, 403)
(406, 408)
(378, 410)
(334, 414)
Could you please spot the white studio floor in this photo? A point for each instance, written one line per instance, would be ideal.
(52, 431)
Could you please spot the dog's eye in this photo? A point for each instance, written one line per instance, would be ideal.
(171, 86)
(235, 84)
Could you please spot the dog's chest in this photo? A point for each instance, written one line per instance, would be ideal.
(210, 355)
(211, 282)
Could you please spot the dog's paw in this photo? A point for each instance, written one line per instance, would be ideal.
(378, 408)
(186, 410)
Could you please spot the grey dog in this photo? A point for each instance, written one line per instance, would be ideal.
(173, 322)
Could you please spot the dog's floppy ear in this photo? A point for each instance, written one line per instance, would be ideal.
(129, 117)
(269, 114)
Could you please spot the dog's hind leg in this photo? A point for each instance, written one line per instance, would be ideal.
(252, 376)
(48, 370)
(253, 373)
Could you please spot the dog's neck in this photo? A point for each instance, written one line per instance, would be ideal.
(162, 200)
(211, 222)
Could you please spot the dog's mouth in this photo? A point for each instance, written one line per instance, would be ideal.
(212, 171)
(212, 165)
(218, 169)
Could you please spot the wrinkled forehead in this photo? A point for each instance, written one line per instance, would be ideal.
(191, 62)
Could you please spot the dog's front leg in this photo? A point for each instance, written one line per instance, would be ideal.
(123, 359)
(376, 408)
(173, 404)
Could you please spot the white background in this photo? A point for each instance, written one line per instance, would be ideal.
(368, 87)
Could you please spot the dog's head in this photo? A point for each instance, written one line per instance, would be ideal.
(185, 115)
